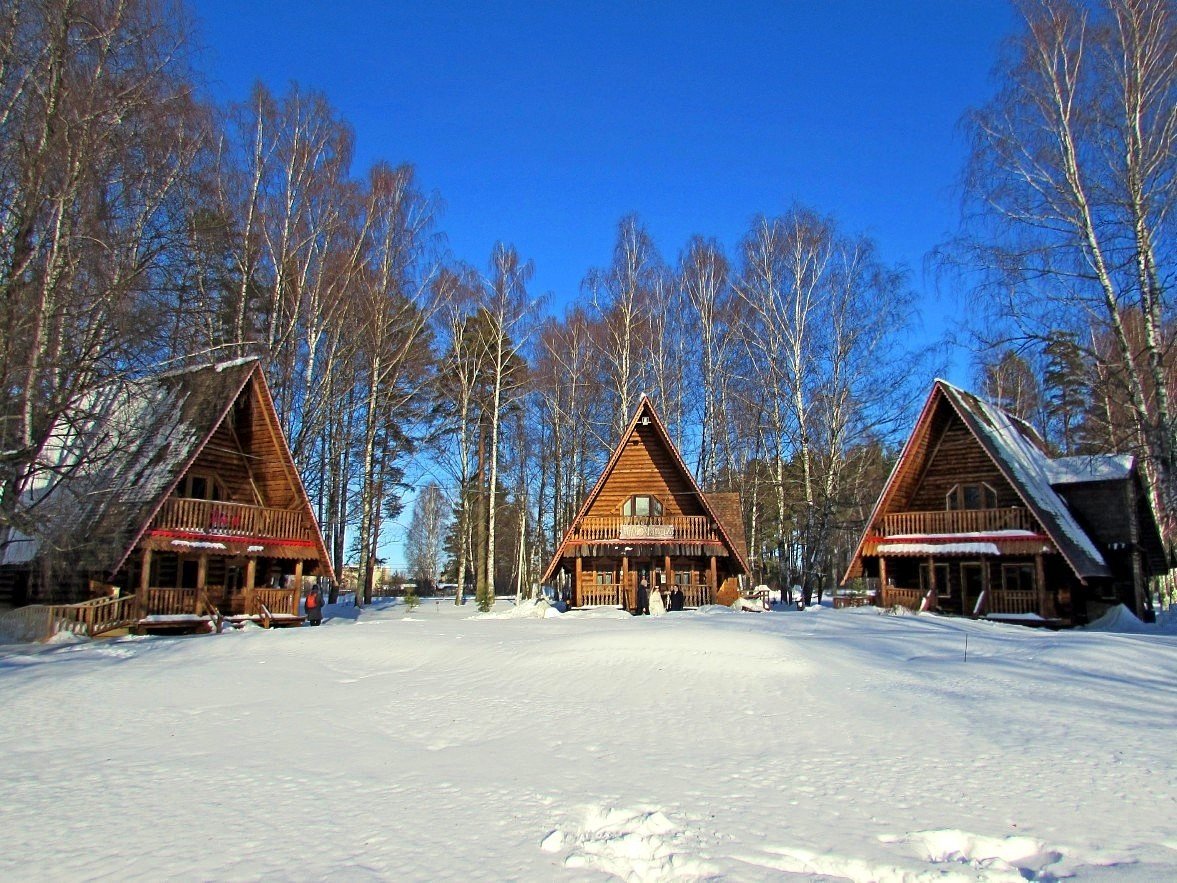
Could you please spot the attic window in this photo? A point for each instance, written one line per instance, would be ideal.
(199, 486)
(642, 506)
(971, 496)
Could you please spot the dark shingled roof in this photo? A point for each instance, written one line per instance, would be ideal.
(121, 450)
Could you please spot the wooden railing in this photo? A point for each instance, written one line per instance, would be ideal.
(956, 521)
(230, 519)
(894, 596)
(171, 602)
(611, 595)
(96, 617)
(678, 529)
(1011, 601)
(697, 595)
(40, 622)
(601, 595)
(276, 601)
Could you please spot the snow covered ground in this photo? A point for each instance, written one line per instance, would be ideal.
(440, 745)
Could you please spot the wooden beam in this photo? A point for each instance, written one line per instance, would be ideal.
(576, 582)
(144, 583)
(250, 583)
(714, 576)
(934, 597)
(625, 582)
(1045, 599)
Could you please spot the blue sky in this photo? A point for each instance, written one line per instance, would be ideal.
(541, 124)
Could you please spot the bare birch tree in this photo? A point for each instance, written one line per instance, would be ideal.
(1071, 184)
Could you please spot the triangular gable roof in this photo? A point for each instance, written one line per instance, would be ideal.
(1018, 453)
(645, 406)
(125, 448)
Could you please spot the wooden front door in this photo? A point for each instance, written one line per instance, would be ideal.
(971, 585)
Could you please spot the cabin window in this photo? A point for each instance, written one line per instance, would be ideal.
(1017, 577)
(196, 486)
(941, 570)
(683, 577)
(604, 577)
(971, 496)
(642, 506)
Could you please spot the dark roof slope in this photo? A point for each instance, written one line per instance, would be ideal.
(1021, 456)
(121, 450)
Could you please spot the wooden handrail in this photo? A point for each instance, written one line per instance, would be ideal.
(230, 519)
(671, 528)
(956, 521)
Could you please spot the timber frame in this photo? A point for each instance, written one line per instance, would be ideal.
(977, 519)
(647, 518)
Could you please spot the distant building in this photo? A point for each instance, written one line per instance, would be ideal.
(978, 519)
(647, 519)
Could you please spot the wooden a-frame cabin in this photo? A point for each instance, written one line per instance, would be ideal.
(180, 491)
(647, 518)
(977, 519)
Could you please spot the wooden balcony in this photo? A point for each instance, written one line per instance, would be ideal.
(662, 529)
(956, 521)
(230, 520)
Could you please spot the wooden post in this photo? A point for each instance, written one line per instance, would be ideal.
(986, 588)
(1045, 599)
(250, 583)
(297, 586)
(201, 581)
(882, 581)
(576, 602)
(625, 596)
(668, 574)
(714, 577)
(934, 590)
(144, 585)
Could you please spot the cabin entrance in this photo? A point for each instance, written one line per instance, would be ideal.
(971, 586)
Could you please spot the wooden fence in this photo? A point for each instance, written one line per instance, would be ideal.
(40, 622)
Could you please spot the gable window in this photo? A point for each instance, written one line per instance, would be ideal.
(642, 506)
(971, 496)
(196, 486)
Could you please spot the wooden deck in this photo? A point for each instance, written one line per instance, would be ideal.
(231, 520)
(660, 528)
(956, 521)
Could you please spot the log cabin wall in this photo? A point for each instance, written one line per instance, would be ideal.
(645, 466)
(957, 458)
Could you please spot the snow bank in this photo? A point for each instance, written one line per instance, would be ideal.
(1119, 619)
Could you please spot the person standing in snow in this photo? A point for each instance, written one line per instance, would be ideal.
(314, 605)
(676, 598)
(643, 599)
(657, 603)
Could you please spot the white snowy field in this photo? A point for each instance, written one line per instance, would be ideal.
(440, 745)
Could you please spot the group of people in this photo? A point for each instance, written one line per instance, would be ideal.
(659, 601)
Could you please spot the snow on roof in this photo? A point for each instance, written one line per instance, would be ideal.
(115, 454)
(1010, 534)
(1017, 448)
(1093, 467)
(939, 549)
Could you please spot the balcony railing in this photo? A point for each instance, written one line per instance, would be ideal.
(677, 529)
(956, 521)
(230, 519)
